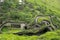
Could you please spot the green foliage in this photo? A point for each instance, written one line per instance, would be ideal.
(43, 18)
(51, 35)
(27, 12)
(47, 36)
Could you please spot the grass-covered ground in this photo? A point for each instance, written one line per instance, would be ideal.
(47, 36)
(13, 11)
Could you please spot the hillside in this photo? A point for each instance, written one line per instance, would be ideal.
(35, 17)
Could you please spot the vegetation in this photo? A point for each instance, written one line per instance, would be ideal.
(27, 12)
(47, 36)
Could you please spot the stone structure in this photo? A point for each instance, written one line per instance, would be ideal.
(21, 1)
(1, 0)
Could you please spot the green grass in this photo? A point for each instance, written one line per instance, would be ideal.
(53, 5)
(12, 31)
(6, 30)
(43, 18)
(47, 36)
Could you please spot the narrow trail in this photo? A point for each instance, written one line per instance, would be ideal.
(31, 34)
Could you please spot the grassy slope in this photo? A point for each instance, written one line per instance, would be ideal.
(54, 5)
(47, 36)
(50, 4)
